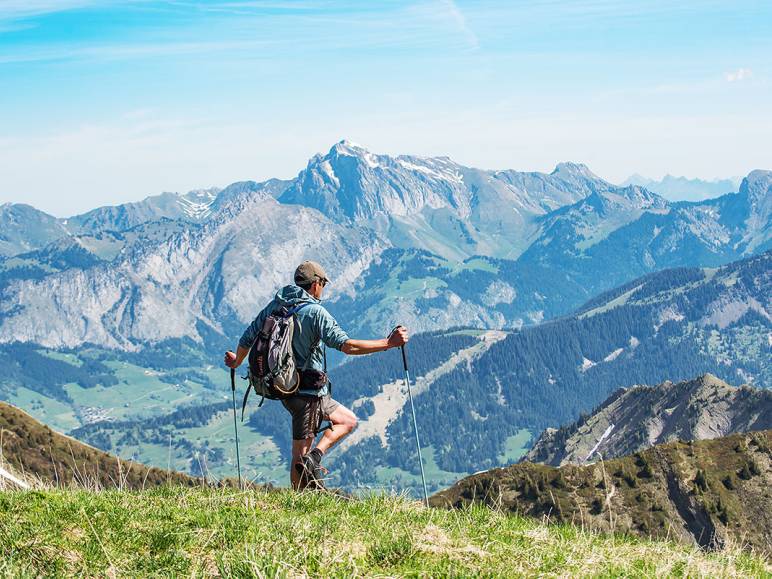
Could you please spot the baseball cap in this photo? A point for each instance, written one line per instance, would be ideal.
(309, 272)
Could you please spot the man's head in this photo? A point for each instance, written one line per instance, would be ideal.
(311, 277)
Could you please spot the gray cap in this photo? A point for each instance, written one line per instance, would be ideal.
(308, 272)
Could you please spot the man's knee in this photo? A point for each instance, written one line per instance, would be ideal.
(344, 419)
(350, 422)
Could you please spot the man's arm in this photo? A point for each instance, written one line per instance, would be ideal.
(397, 338)
(245, 343)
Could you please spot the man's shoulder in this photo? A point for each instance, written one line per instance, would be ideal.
(314, 308)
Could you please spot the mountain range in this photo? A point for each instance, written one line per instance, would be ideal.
(539, 294)
(671, 325)
(405, 239)
(493, 389)
(684, 189)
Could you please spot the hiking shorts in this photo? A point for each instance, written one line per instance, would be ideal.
(308, 412)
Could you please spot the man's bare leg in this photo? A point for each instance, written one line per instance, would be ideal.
(343, 421)
(299, 448)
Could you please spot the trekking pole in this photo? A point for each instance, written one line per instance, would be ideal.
(415, 423)
(235, 423)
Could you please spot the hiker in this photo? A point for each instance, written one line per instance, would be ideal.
(313, 402)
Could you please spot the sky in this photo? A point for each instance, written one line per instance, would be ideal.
(104, 102)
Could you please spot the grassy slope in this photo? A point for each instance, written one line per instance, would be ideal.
(692, 491)
(34, 450)
(176, 531)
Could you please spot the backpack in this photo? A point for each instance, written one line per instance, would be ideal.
(273, 372)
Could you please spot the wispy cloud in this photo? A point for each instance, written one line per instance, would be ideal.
(738, 75)
(16, 9)
(455, 14)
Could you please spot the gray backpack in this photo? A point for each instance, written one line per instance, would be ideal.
(273, 372)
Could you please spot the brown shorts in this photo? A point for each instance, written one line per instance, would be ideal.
(308, 412)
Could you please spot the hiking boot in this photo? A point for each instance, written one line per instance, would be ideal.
(311, 472)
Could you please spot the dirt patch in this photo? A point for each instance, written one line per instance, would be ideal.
(435, 540)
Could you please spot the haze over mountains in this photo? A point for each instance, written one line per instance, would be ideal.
(684, 189)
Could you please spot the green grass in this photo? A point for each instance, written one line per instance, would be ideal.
(71, 359)
(58, 415)
(436, 478)
(258, 533)
(515, 447)
(261, 459)
(475, 264)
(140, 393)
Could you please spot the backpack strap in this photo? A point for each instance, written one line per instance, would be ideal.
(315, 345)
(296, 309)
(311, 353)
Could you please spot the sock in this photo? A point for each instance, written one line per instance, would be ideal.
(317, 454)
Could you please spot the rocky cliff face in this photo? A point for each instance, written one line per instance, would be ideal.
(158, 290)
(635, 418)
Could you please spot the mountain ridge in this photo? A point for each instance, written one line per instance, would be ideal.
(637, 417)
(569, 221)
(709, 493)
(40, 455)
(677, 188)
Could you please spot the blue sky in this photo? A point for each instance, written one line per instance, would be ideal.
(103, 102)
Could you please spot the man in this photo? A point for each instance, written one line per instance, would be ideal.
(313, 402)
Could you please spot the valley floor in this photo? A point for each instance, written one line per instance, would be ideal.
(205, 532)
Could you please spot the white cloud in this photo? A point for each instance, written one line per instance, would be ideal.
(739, 75)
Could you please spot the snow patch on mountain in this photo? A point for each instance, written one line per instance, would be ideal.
(613, 355)
(586, 364)
(197, 205)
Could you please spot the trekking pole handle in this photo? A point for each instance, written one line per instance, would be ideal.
(233, 379)
(402, 347)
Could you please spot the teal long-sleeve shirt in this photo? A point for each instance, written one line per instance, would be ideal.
(316, 326)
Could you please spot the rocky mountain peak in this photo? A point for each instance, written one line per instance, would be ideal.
(570, 171)
(352, 182)
(757, 185)
(634, 418)
(346, 147)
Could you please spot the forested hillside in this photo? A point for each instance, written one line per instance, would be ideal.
(673, 325)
